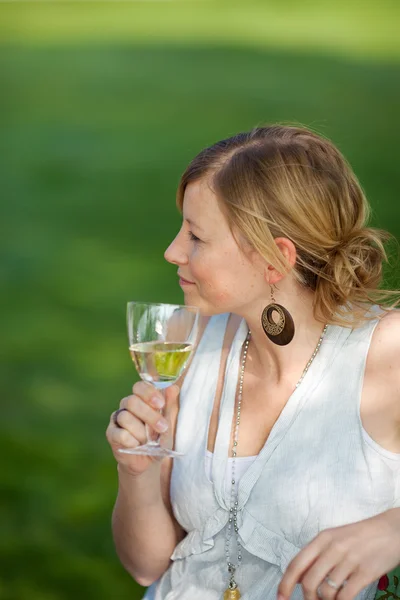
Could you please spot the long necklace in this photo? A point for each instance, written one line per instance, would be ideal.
(232, 592)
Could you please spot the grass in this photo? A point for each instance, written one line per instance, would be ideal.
(97, 125)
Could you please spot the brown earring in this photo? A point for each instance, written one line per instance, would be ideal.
(282, 332)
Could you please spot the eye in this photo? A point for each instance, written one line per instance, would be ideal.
(193, 237)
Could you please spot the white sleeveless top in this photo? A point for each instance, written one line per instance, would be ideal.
(317, 469)
(242, 463)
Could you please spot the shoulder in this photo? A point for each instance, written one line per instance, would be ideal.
(380, 400)
(385, 343)
(383, 363)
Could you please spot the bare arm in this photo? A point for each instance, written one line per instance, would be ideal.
(144, 528)
(145, 531)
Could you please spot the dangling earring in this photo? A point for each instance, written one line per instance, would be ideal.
(282, 332)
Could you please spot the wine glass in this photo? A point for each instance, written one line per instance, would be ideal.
(161, 341)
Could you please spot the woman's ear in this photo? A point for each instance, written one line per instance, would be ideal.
(288, 249)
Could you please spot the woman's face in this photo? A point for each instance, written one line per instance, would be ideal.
(215, 274)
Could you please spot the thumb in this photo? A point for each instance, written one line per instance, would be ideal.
(170, 412)
(172, 393)
(171, 402)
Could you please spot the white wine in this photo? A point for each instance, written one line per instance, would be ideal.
(160, 363)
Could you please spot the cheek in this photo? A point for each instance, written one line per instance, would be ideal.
(226, 279)
(203, 262)
(222, 276)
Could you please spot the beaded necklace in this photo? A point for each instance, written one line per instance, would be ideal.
(232, 592)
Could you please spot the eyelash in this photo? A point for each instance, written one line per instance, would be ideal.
(193, 237)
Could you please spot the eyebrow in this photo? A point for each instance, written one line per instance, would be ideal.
(192, 224)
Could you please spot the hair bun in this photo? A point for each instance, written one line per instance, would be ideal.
(353, 266)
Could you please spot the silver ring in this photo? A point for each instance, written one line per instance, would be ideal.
(332, 584)
(319, 594)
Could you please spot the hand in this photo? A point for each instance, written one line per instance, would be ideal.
(142, 407)
(354, 555)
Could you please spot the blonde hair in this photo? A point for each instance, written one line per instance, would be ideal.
(285, 181)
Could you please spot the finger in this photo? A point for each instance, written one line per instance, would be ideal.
(128, 421)
(355, 583)
(315, 575)
(144, 412)
(339, 576)
(115, 415)
(149, 394)
(299, 565)
(120, 437)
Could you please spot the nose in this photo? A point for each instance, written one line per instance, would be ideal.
(176, 253)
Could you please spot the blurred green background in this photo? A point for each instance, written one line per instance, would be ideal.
(102, 105)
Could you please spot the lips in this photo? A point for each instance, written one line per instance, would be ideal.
(183, 280)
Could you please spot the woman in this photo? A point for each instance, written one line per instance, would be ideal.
(289, 414)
